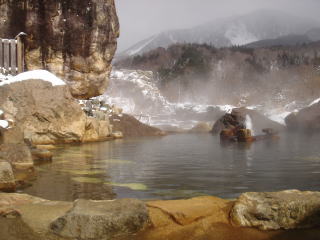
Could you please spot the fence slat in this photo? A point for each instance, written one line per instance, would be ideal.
(13, 56)
(6, 50)
(20, 56)
(1, 56)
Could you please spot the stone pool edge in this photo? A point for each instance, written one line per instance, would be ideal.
(256, 216)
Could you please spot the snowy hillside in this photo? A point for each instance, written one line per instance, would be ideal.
(136, 92)
(239, 30)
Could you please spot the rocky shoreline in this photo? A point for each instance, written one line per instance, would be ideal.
(282, 215)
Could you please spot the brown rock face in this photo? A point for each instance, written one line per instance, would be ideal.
(74, 39)
(47, 115)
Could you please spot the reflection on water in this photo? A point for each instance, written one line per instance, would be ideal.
(179, 166)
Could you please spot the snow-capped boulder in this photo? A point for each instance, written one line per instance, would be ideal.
(46, 114)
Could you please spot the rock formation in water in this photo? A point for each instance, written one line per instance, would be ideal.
(74, 39)
(237, 118)
(131, 127)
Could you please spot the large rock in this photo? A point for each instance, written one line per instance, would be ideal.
(14, 150)
(279, 210)
(47, 114)
(131, 127)
(102, 219)
(74, 39)
(7, 182)
(201, 127)
(237, 118)
(97, 130)
(306, 119)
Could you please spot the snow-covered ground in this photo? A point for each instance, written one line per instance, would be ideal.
(3, 123)
(35, 74)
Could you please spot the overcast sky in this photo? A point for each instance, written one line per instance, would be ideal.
(140, 19)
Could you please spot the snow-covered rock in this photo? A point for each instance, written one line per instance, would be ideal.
(31, 75)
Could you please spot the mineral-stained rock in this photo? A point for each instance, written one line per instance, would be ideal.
(279, 210)
(237, 118)
(74, 39)
(102, 219)
(306, 119)
(7, 182)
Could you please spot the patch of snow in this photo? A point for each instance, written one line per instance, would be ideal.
(35, 74)
(278, 117)
(1, 112)
(137, 50)
(238, 34)
(314, 102)
(4, 124)
(226, 108)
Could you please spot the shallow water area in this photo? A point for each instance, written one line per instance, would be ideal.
(179, 166)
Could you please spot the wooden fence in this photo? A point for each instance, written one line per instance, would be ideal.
(11, 56)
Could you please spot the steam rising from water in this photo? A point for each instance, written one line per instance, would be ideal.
(138, 94)
(249, 124)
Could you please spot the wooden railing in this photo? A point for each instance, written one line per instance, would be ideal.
(11, 56)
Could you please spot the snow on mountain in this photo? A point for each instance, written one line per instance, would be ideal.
(238, 30)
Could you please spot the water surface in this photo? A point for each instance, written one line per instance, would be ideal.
(179, 166)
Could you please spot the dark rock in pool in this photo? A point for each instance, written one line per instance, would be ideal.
(41, 155)
(306, 119)
(102, 219)
(131, 127)
(290, 209)
(237, 119)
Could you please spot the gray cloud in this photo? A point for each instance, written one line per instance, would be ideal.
(140, 19)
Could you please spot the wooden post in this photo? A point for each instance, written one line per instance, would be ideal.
(20, 56)
(1, 56)
(13, 56)
(6, 50)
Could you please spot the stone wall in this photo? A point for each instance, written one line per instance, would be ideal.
(74, 39)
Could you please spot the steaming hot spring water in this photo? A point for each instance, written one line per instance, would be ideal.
(175, 166)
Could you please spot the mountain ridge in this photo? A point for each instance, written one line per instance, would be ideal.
(226, 32)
